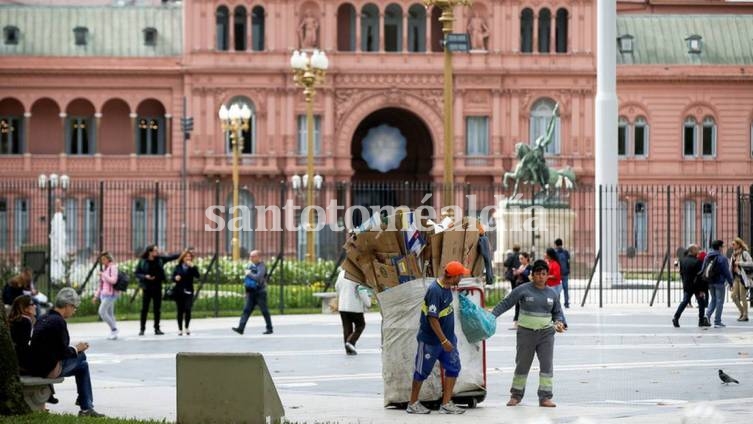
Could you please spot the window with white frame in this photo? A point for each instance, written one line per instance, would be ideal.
(689, 137)
(144, 221)
(246, 222)
(541, 114)
(640, 227)
(10, 135)
(689, 222)
(708, 137)
(622, 225)
(3, 224)
(150, 135)
(303, 135)
(640, 137)
(708, 223)
(71, 224)
(21, 222)
(138, 225)
(91, 224)
(622, 136)
(79, 135)
(477, 135)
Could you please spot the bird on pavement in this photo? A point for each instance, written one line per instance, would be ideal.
(727, 379)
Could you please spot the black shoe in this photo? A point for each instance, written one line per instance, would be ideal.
(141, 333)
(90, 413)
(158, 332)
(238, 330)
(706, 322)
(567, 306)
(675, 323)
(53, 400)
(267, 332)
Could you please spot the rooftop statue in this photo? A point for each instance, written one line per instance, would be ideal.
(532, 167)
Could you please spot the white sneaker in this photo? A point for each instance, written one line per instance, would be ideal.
(417, 408)
(451, 408)
(113, 335)
(351, 349)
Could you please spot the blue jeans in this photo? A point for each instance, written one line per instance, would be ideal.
(79, 368)
(716, 305)
(255, 297)
(567, 292)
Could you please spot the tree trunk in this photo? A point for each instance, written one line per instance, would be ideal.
(11, 393)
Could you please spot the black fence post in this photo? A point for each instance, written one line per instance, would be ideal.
(49, 241)
(601, 247)
(156, 213)
(750, 214)
(739, 205)
(101, 217)
(217, 253)
(669, 246)
(283, 189)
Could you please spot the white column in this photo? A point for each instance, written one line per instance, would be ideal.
(605, 148)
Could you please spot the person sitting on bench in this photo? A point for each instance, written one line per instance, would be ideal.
(51, 353)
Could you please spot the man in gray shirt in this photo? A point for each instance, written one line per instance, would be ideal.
(540, 317)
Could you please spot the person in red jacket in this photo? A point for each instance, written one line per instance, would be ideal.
(555, 274)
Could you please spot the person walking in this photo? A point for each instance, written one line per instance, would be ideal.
(255, 284)
(522, 275)
(690, 266)
(106, 293)
(183, 276)
(53, 357)
(741, 261)
(150, 272)
(564, 261)
(436, 340)
(721, 276)
(511, 263)
(352, 301)
(540, 317)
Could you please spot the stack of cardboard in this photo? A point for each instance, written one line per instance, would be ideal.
(395, 251)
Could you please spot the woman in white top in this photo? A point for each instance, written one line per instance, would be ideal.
(352, 301)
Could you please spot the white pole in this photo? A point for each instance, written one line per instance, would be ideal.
(605, 149)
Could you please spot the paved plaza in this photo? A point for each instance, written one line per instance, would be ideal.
(620, 364)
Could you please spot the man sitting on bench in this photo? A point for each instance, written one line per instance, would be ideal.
(51, 353)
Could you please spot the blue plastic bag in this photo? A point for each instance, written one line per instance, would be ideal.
(477, 324)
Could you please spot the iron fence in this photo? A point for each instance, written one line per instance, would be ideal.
(653, 224)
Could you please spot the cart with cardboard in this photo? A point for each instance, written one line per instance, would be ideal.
(398, 263)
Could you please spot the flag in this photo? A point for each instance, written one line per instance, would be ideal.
(413, 241)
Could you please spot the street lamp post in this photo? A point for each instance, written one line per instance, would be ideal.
(308, 72)
(235, 121)
(447, 18)
(51, 183)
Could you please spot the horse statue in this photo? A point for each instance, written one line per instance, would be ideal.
(532, 167)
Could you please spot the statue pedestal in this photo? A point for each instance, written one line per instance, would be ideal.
(533, 228)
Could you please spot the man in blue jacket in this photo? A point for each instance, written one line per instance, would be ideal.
(721, 274)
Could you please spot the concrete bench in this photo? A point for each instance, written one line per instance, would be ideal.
(37, 390)
(329, 302)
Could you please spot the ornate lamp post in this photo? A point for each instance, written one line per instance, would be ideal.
(447, 18)
(308, 72)
(235, 120)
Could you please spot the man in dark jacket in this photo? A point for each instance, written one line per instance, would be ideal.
(722, 274)
(255, 284)
(511, 263)
(690, 266)
(52, 355)
(151, 274)
(564, 257)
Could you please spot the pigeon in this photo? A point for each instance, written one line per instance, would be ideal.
(727, 379)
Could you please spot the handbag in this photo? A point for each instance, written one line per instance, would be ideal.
(169, 293)
(745, 279)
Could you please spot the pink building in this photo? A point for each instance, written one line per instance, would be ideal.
(96, 91)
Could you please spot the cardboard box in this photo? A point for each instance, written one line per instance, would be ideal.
(352, 271)
(385, 273)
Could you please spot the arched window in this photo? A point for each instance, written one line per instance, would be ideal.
(640, 227)
(249, 136)
(688, 224)
(436, 30)
(417, 28)
(393, 28)
(622, 136)
(257, 29)
(346, 28)
(526, 31)
(545, 22)
(222, 28)
(561, 34)
(708, 223)
(370, 28)
(689, 137)
(708, 147)
(239, 28)
(21, 222)
(246, 222)
(541, 113)
(640, 137)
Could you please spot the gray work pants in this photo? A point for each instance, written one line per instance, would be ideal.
(530, 342)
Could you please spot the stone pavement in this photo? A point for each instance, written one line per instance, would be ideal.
(620, 364)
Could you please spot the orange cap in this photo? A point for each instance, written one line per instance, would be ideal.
(455, 268)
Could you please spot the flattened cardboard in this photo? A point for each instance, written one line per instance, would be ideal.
(435, 242)
(452, 246)
(386, 274)
(353, 271)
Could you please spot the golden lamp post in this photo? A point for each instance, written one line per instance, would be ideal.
(447, 18)
(235, 121)
(308, 72)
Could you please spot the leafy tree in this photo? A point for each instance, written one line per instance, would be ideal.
(11, 393)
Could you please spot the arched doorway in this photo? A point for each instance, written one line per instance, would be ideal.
(391, 156)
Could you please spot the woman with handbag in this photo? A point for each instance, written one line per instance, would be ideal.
(741, 265)
(183, 276)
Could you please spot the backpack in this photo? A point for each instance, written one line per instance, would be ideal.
(710, 271)
(121, 284)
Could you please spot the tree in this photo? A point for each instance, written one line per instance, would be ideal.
(11, 392)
